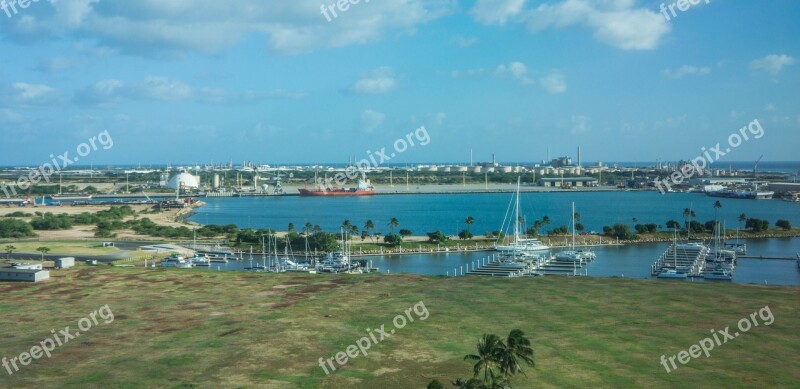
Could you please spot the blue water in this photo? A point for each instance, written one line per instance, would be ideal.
(612, 261)
(447, 212)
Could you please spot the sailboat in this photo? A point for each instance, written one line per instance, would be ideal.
(521, 246)
(673, 272)
(572, 254)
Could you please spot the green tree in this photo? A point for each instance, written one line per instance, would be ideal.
(717, 206)
(488, 360)
(405, 232)
(290, 228)
(470, 221)
(44, 250)
(434, 384)
(436, 237)
(465, 235)
(392, 239)
(743, 220)
(393, 223)
(785, 224)
(516, 349)
(369, 225)
(9, 250)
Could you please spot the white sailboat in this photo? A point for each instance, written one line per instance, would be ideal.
(572, 254)
(521, 246)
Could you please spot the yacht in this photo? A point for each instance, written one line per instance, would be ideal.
(671, 273)
(176, 261)
(524, 245)
(574, 255)
(200, 260)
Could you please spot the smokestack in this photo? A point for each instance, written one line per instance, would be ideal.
(579, 156)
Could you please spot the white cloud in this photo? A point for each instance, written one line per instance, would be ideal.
(156, 88)
(181, 27)
(580, 124)
(378, 81)
(515, 69)
(686, 70)
(555, 82)
(769, 107)
(463, 42)
(439, 117)
(496, 11)
(25, 94)
(7, 115)
(772, 64)
(371, 120)
(614, 22)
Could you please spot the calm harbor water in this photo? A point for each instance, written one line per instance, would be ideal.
(446, 212)
(631, 261)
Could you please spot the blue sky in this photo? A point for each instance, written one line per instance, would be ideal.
(184, 81)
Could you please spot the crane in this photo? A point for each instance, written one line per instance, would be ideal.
(755, 167)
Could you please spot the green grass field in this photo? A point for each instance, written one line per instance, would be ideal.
(206, 329)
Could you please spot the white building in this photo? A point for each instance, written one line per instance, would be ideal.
(185, 180)
(29, 275)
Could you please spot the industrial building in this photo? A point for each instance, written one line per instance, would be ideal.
(572, 182)
(65, 263)
(27, 275)
(784, 187)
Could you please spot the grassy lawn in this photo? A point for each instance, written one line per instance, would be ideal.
(197, 328)
(60, 247)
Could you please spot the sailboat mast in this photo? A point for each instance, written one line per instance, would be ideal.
(573, 225)
(516, 215)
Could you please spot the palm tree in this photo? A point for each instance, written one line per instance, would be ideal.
(537, 225)
(635, 221)
(470, 221)
(308, 228)
(346, 224)
(317, 228)
(393, 223)
(44, 250)
(743, 219)
(517, 347)
(290, 228)
(368, 225)
(354, 230)
(545, 221)
(688, 215)
(488, 359)
(717, 206)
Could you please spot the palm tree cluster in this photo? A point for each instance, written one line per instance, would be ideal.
(497, 361)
